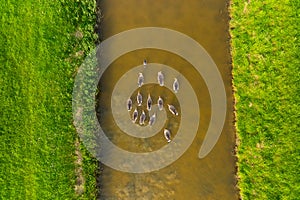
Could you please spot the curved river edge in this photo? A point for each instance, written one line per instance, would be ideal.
(104, 33)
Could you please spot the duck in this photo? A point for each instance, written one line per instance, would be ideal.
(142, 118)
(160, 103)
(152, 119)
(175, 85)
(167, 135)
(139, 98)
(134, 115)
(129, 104)
(145, 62)
(149, 102)
(140, 79)
(160, 78)
(172, 109)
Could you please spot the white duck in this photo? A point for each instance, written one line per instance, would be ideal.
(142, 118)
(129, 104)
(172, 109)
(139, 98)
(140, 79)
(152, 119)
(175, 85)
(149, 103)
(134, 115)
(160, 78)
(167, 135)
(160, 103)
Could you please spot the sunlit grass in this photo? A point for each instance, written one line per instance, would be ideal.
(38, 62)
(266, 76)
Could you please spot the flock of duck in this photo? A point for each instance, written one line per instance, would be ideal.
(160, 103)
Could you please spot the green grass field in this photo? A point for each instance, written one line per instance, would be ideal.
(266, 65)
(39, 41)
(43, 43)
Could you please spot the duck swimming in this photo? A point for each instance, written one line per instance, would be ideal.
(142, 118)
(160, 78)
(149, 102)
(129, 104)
(139, 98)
(167, 135)
(172, 109)
(175, 85)
(134, 115)
(140, 79)
(152, 119)
(160, 103)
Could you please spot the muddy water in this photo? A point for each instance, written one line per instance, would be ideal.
(189, 177)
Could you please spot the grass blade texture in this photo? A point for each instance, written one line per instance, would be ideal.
(42, 44)
(265, 39)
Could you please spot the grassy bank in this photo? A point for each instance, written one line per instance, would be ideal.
(42, 43)
(265, 37)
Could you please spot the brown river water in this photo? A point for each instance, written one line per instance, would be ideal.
(189, 177)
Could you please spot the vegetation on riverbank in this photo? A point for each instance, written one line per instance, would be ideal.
(42, 45)
(265, 39)
(44, 42)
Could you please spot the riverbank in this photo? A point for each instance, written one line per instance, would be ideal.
(265, 42)
(42, 45)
